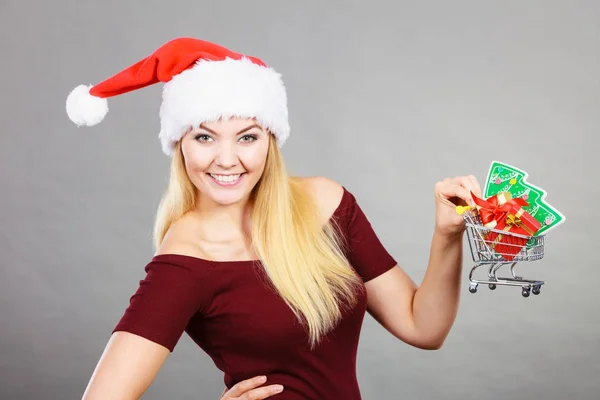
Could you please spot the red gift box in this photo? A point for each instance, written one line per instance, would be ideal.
(503, 213)
(517, 221)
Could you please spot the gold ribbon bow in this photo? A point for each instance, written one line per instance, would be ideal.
(515, 220)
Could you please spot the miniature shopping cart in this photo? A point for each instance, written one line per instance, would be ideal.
(515, 248)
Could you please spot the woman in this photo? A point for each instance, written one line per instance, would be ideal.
(271, 275)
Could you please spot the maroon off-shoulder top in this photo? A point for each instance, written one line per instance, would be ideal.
(231, 313)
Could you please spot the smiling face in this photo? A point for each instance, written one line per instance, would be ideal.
(225, 159)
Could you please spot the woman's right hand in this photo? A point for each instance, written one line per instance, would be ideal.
(249, 390)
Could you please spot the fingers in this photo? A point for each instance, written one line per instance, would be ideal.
(249, 390)
(447, 191)
(469, 183)
(242, 387)
(262, 393)
(476, 188)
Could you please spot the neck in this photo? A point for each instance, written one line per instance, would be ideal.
(223, 222)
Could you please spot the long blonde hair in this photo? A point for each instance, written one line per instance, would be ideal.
(302, 257)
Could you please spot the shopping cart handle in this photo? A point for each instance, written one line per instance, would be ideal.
(461, 209)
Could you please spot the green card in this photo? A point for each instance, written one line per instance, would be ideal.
(506, 178)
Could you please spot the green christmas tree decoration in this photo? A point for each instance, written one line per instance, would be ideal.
(506, 178)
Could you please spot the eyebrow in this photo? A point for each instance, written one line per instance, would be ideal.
(239, 133)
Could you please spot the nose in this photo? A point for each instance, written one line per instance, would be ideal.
(227, 156)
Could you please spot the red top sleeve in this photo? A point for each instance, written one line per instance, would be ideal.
(166, 299)
(365, 252)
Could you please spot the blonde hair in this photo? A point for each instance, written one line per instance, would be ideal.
(302, 257)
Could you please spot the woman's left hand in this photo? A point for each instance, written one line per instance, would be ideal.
(450, 193)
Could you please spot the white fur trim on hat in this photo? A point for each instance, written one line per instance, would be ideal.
(213, 90)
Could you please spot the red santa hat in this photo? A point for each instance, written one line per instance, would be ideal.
(203, 82)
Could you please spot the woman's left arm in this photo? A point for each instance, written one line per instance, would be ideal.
(423, 315)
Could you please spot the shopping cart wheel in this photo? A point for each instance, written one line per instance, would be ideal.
(492, 286)
(525, 292)
(473, 288)
(536, 290)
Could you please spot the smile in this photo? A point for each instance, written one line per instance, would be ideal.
(226, 180)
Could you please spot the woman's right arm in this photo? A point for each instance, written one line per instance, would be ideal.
(126, 368)
(156, 317)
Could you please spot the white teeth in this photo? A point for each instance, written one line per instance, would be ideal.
(226, 178)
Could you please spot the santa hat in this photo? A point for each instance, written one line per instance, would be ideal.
(203, 82)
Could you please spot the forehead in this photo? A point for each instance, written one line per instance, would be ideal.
(231, 125)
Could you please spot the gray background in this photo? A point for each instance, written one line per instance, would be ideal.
(386, 98)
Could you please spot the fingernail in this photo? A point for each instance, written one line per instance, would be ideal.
(278, 389)
(262, 379)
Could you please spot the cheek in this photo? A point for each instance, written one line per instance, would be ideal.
(196, 163)
(254, 159)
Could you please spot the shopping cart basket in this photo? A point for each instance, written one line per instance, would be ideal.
(484, 252)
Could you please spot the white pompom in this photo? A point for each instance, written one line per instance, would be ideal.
(85, 109)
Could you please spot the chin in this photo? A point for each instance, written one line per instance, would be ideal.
(223, 199)
(227, 194)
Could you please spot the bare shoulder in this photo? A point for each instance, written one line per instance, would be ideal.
(179, 238)
(327, 193)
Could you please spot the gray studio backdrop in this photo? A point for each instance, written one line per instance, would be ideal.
(385, 96)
